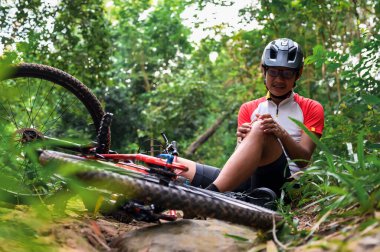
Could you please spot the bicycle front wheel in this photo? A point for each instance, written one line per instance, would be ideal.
(191, 200)
(146, 188)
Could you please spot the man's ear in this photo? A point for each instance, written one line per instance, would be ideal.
(263, 72)
(299, 73)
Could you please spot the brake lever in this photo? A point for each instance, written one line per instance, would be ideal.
(165, 138)
(170, 148)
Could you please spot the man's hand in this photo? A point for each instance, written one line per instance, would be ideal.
(270, 126)
(242, 131)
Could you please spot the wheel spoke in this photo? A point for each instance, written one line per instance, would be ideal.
(46, 100)
(12, 115)
(23, 103)
(43, 102)
(57, 105)
(9, 116)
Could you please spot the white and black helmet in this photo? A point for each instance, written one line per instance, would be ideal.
(283, 53)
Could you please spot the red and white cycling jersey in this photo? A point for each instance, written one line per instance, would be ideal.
(305, 110)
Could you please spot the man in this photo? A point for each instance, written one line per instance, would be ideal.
(267, 138)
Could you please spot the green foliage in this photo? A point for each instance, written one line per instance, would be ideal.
(168, 108)
(149, 40)
(358, 110)
(343, 180)
(81, 41)
(337, 187)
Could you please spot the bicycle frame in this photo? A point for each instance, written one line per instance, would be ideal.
(143, 158)
(120, 160)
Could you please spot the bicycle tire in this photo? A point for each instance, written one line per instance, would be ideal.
(68, 82)
(201, 202)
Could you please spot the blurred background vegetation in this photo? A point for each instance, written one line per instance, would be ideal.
(140, 60)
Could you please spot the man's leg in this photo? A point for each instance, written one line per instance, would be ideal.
(257, 149)
(191, 165)
(272, 176)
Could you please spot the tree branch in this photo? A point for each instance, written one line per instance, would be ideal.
(209, 132)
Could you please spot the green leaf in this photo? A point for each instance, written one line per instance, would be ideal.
(333, 66)
(361, 150)
(371, 99)
(236, 237)
(316, 141)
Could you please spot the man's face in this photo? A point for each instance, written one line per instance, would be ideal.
(280, 80)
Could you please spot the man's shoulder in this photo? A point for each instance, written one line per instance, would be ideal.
(303, 101)
(255, 102)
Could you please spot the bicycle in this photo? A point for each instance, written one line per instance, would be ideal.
(149, 189)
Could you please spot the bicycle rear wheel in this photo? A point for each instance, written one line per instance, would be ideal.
(43, 101)
(50, 101)
(190, 199)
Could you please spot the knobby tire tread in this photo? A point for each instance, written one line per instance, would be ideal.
(172, 198)
(82, 92)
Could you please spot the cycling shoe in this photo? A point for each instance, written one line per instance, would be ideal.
(264, 197)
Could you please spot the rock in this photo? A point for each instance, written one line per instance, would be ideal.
(188, 235)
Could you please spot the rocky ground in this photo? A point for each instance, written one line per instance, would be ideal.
(99, 234)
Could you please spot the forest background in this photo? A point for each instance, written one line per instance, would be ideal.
(137, 58)
(140, 61)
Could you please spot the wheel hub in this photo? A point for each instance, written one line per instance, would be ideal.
(29, 135)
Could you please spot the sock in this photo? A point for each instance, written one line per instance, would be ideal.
(212, 187)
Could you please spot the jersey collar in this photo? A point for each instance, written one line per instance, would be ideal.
(290, 97)
(268, 97)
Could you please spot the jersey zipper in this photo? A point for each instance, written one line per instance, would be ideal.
(276, 110)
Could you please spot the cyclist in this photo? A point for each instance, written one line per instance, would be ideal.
(267, 138)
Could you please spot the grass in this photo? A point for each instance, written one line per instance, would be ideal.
(338, 194)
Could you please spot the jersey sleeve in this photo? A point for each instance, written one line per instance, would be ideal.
(247, 109)
(244, 115)
(314, 117)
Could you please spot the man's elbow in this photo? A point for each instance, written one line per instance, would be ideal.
(303, 164)
(305, 161)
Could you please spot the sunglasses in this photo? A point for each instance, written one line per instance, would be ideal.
(286, 74)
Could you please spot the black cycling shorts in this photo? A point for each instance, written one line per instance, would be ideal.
(272, 176)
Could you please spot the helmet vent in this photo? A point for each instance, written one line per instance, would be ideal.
(273, 52)
(292, 54)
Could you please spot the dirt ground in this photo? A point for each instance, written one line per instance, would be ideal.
(96, 234)
(26, 229)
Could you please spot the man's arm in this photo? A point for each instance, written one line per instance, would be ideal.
(302, 150)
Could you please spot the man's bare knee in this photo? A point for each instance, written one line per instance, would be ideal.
(269, 143)
(255, 131)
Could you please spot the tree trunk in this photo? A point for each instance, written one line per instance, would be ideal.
(209, 132)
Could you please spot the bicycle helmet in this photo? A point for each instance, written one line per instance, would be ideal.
(283, 53)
